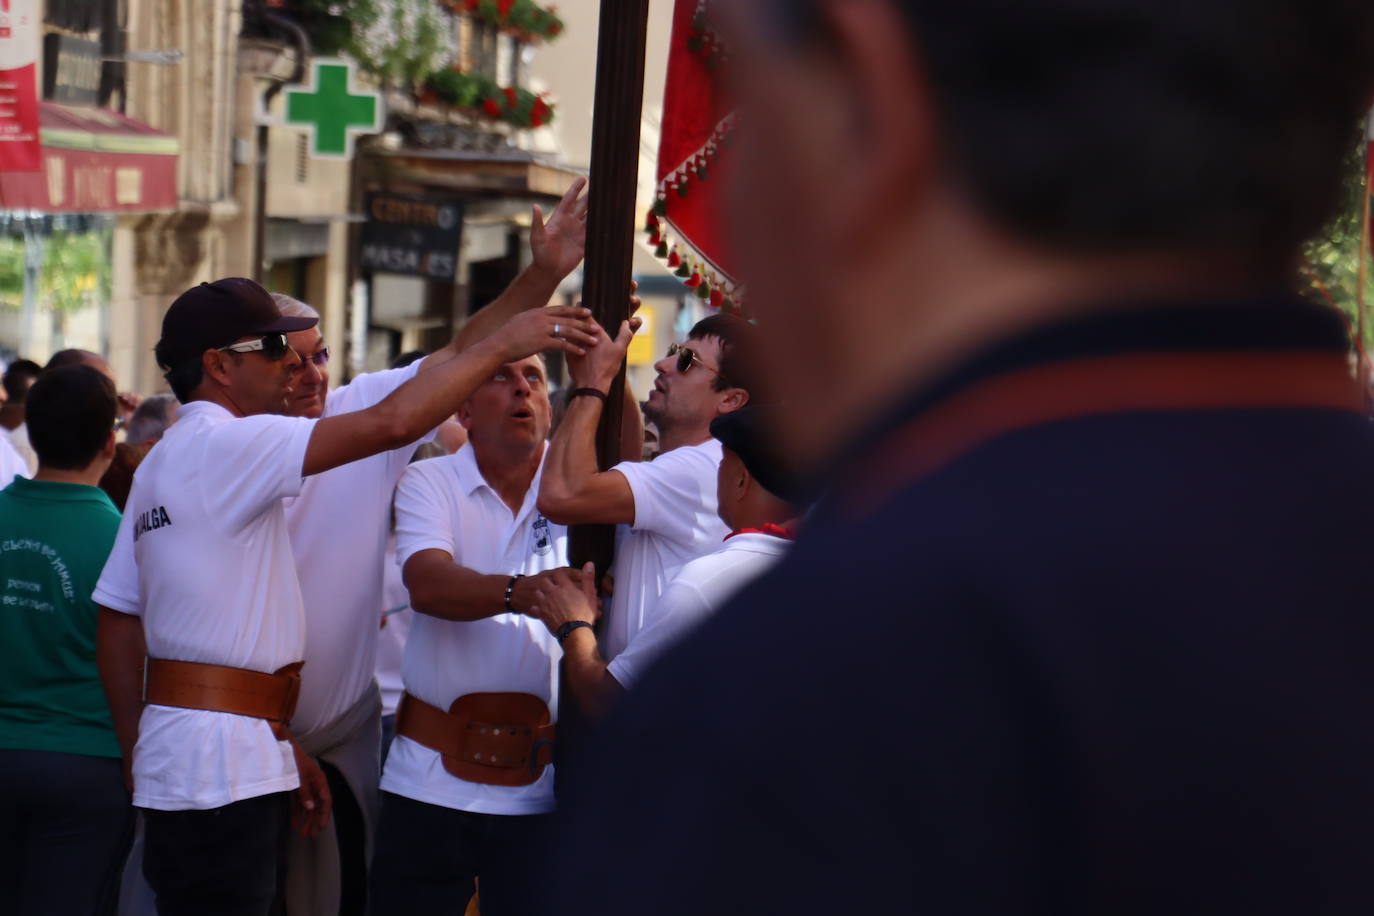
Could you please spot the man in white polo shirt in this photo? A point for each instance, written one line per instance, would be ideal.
(339, 527)
(202, 575)
(461, 802)
(667, 507)
(753, 485)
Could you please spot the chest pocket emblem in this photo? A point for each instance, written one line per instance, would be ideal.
(539, 536)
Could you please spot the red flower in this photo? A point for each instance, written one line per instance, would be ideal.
(512, 98)
(536, 119)
(492, 107)
(470, 5)
(503, 7)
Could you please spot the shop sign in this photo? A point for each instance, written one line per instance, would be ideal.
(19, 136)
(410, 234)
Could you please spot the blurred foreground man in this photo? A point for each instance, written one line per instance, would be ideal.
(1079, 624)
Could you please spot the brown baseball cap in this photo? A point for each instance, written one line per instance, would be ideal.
(214, 315)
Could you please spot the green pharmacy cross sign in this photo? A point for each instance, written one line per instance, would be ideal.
(334, 114)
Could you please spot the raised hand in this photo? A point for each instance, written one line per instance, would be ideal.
(598, 366)
(569, 328)
(560, 244)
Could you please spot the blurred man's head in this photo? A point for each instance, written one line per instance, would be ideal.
(19, 377)
(227, 342)
(914, 177)
(71, 415)
(310, 381)
(509, 415)
(150, 420)
(716, 371)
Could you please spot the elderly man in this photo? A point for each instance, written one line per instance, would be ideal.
(462, 805)
(339, 526)
(1078, 623)
(202, 579)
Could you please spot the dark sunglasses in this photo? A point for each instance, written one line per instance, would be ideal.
(273, 346)
(687, 357)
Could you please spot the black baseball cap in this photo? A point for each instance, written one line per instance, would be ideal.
(214, 315)
(749, 433)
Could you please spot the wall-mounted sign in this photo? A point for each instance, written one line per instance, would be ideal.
(410, 234)
(71, 69)
(19, 140)
(333, 110)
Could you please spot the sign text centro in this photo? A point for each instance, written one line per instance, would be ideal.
(409, 234)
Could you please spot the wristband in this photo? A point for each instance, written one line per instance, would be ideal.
(588, 393)
(566, 629)
(510, 590)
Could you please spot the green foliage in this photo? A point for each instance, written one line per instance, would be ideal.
(396, 41)
(524, 18)
(479, 95)
(1333, 258)
(74, 274)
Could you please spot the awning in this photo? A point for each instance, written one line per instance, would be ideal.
(95, 161)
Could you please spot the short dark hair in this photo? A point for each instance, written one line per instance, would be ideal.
(18, 376)
(70, 415)
(739, 353)
(1131, 124)
(183, 379)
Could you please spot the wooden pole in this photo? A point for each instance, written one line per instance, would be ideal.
(611, 220)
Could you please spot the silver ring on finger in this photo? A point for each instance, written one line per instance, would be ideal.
(556, 329)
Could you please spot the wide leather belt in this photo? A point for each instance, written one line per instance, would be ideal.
(218, 688)
(501, 739)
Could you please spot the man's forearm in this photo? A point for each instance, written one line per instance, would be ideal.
(571, 460)
(452, 592)
(120, 653)
(593, 686)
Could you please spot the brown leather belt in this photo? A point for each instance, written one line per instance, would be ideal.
(217, 688)
(501, 739)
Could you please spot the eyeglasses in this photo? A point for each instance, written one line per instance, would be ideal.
(273, 346)
(320, 358)
(687, 357)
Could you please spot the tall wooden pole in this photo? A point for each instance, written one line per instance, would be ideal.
(611, 219)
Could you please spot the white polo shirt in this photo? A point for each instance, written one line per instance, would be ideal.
(203, 556)
(12, 464)
(700, 588)
(675, 521)
(445, 504)
(339, 526)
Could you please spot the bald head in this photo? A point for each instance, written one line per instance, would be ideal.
(64, 358)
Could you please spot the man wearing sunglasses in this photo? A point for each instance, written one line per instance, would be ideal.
(338, 527)
(202, 580)
(668, 505)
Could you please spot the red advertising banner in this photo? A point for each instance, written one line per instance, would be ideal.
(19, 47)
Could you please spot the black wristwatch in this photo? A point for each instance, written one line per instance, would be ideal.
(566, 629)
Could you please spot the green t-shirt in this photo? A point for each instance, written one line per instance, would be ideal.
(54, 538)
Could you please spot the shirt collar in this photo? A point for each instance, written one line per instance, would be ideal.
(1280, 322)
(59, 491)
(203, 408)
(470, 478)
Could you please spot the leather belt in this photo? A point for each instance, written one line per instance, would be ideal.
(218, 688)
(500, 739)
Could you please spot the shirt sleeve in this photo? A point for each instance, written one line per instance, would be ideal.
(670, 491)
(423, 519)
(118, 588)
(680, 608)
(257, 461)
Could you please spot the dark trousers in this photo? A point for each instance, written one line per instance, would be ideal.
(65, 827)
(429, 859)
(221, 862)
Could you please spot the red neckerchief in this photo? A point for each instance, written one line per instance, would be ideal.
(770, 529)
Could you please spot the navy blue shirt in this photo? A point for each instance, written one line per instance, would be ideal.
(1112, 665)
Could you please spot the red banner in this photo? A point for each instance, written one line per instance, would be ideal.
(19, 137)
(685, 228)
